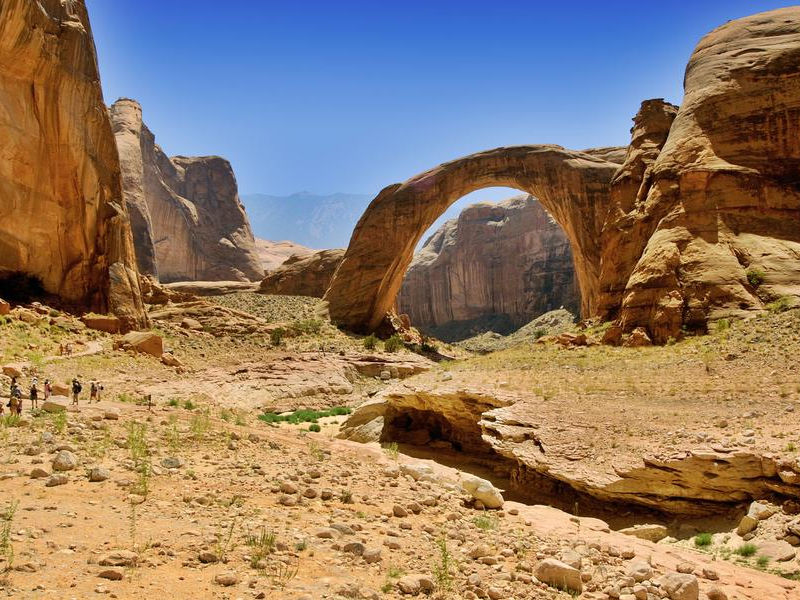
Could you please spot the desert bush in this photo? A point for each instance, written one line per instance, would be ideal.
(701, 540)
(370, 342)
(393, 344)
(276, 336)
(755, 277)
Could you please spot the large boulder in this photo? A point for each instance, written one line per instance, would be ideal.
(62, 219)
(188, 222)
(5, 307)
(482, 490)
(558, 574)
(145, 342)
(106, 323)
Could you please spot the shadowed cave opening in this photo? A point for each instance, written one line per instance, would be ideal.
(428, 434)
(492, 262)
(22, 288)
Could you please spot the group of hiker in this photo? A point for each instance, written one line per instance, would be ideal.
(15, 400)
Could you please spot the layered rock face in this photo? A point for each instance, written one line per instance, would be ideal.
(188, 222)
(62, 218)
(510, 259)
(304, 275)
(722, 200)
(697, 220)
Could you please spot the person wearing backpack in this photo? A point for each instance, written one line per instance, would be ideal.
(48, 390)
(76, 391)
(16, 399)
(34, 394)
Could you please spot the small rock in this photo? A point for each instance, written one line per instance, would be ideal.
(226, 579)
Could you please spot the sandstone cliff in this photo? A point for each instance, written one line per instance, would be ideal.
(62, 218)
(508, 261)
(187, 219)
(303, 275)
(712, 230)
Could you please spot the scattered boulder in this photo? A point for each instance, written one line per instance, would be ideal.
(412, 585)
(65, 461)
(119, 558)
(112, 574)
(226, 579)
(558, 574)
(5, 307)
(106, 323)
(638, 339)
(482, 490)
(98, 474)
(145, 342)
(56, 479)
(12, 371)
(680, 586)
(650, 532)
(55, 404)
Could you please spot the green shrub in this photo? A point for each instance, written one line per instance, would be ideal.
(314, 427)
(755, 277)
(780, 305)
(393, 344)
(310, 326)
(276, 336)
(174, 402)
(746, 550)
(370, 342)
(304, 415)
(722, 325)
(701, 540)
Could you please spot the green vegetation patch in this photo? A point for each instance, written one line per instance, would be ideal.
(304, 415)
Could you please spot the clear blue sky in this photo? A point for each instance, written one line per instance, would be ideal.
(346, 96)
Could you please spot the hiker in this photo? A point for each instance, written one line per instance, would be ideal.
(93, 391)
(16, 399)
(76, 391)
(34, 394)
(48, 390)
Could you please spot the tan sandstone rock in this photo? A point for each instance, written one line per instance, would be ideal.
(62, 218)
(304, 275)
(188, 221)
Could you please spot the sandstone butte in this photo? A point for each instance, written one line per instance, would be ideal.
(694, 221)
(188, 222)
(509, 259)
(62, 218)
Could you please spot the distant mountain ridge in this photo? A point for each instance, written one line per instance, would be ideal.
(313, 220)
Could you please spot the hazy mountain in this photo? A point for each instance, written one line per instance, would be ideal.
(316, 221)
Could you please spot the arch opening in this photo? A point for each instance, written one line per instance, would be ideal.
(494, 261)
(572, 186)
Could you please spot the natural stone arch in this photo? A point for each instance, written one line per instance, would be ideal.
(573, 186)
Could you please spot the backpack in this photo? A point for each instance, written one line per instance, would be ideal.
(76, 388)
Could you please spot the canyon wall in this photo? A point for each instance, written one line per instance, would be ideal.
(188, 221)
(62, 218)
(712, 230)
(509, 259)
